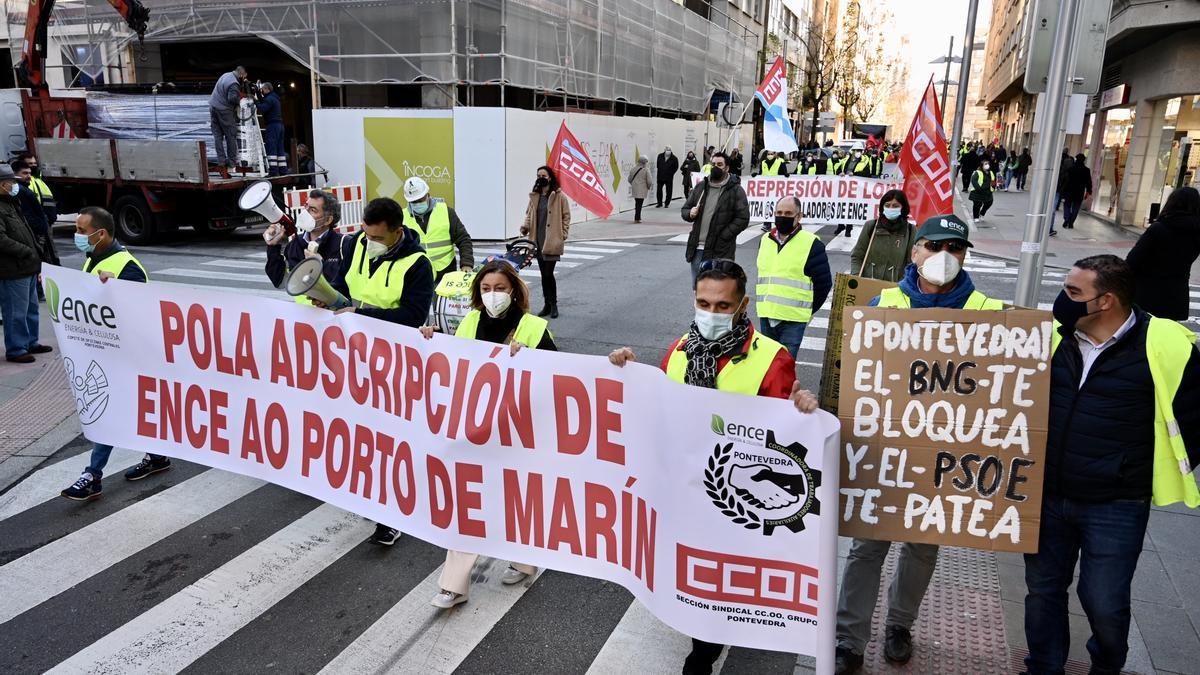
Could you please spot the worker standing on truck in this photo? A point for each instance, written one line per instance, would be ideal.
(222, 112)
(272, 111)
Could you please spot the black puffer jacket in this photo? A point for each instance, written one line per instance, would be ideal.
(1162, 265)
(19, 256)
(731, 217)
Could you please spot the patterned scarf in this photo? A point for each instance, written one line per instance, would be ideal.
(703, 355)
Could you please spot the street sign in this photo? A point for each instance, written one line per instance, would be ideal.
(1088, 60)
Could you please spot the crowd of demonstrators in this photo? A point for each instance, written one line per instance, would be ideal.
(1009, 167)
(547, 223)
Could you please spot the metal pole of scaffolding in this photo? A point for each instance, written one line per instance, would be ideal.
(964, 81)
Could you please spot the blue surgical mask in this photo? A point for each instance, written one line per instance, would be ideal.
(83, 243)
(419, 208)
(12, 191)
(891, 213)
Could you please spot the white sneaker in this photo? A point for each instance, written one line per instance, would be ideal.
(512, 576)
(448, 599)
(972, 222)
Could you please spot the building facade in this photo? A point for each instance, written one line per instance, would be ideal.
(976, 125)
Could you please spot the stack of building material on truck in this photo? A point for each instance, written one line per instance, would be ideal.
(177, 117)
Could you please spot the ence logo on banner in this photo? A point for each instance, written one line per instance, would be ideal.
(91, 397)
(766, 487)
(51, 290)
(77, 311)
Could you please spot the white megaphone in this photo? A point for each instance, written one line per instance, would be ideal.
(306, 279)
(257, 198)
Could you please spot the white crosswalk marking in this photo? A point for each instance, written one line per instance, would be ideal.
(191, 273)
(55, 567)
(681, 237)
(235, 264)
(749, 234)
(590, 249)
(600, 242)
(840, 244)
(642, 644)
(182, 628)
(46, 483)
(413, 636)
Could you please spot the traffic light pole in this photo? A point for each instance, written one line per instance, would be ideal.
(1041, 192)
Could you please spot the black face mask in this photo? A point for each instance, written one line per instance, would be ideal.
(717, 174)
(540, 183)
(785, 224)
(36, 171)
(1068, 312)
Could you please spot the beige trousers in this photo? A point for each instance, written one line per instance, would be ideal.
(456, 573)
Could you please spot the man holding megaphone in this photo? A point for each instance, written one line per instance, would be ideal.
(315, 236)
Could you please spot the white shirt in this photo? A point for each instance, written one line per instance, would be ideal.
(1091, 351)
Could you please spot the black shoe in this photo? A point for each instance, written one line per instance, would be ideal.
(384, 535)
(545, 310)
(554, 311)
(1053, 233)
(41, 349)
(846, 662)
(23, 358)
(897, 645)
(148, 466)
(85, 489)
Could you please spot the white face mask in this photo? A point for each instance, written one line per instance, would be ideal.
(713, 326)
(940, 268)
(891, 213)
(305, 222)
(495, 303)
(375, 249)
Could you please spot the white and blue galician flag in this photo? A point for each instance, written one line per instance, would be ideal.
(777, 132)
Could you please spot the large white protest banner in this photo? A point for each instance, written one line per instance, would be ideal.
(824, 200)
(717, 511)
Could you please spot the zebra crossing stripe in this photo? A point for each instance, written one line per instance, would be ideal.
(641, 643)
(45, 484)
(600, 242)
(413, 636)
(182, 628)
(51, 569)
(211, 274)
(235, 264)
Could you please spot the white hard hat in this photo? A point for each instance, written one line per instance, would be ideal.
(415, 188)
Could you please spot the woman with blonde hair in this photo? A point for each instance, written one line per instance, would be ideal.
(499, 314)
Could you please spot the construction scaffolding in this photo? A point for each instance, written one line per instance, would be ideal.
(652, 53)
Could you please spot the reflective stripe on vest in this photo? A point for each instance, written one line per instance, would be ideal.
(783, 291)
(1168, 348)
(530, 330)
(436, 239)
(742, 374)
(114, 263)
(894, 297)
(773, 169)
(382, 289)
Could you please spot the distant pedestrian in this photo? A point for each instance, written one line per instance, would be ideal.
(969, 164)
(270, 107)
(885, 244)
(222, 112)
(35, 215)
(718, 211)
(735, 162)
(666, 167)
(1010, 170)
(1023, 163)
(547, 223)
(982, 182)
(639, 183)
(1162, 258)
(20, 264)
(1123, 433)
(1076, 189)
(1064, 165)
(690, 166)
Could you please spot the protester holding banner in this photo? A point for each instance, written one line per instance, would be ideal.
(773, 165)
(547, 223)
(440, 228)
(499, 314)
(315, 235)
(1124, 431)
(885, 244)
(718, 211)
(793, 277)
(934, 278)
(105, 257)
(722, 351)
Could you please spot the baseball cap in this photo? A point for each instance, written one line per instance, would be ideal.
(943, 227)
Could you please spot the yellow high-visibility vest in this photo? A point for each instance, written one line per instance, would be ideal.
(530, 330)
(114, 263)
(784, 291)
(743, 374)
(773, 168)
(894, 297)
(383, 288)
(436, 237)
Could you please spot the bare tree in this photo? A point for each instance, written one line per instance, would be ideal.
(848, 90)
(820, 73)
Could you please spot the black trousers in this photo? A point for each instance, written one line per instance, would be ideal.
(637, 207)
(703, 656)
(687, 186)
(980, 208)
(549, 284)
(659, 192)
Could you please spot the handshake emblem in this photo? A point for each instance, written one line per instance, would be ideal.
(765, 488)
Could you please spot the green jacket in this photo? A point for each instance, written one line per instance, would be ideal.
(888, 254)
(18, 249)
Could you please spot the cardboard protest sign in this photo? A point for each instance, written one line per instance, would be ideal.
(944, 418)
(848, 290)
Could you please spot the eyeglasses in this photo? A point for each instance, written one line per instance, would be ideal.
(951, 245)
(724, 266)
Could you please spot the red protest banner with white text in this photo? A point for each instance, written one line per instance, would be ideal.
(717, 511)
(928, 179)
(577, 176)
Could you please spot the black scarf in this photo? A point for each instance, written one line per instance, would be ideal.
(703, 355)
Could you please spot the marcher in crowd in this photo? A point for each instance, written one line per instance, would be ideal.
(222, 112)
(667, 166)
(722, 351)
(773, 164)
(270, 107)
(1162, 258)
(968, 164)
(690, 166)
(499, 314)
(39, 187)
(1123, 432)
(440, 229)
(35, 215)
(547, 223)
(818, 164)
(20, 264)
(885, 244)
(105, 257)
(735, 160)
(1076, 188)
(315, 235)
(983, 183)
(388, 277)
(718, 211)
(876, 161)
(639, 183)
(1023, 163)
(793, 277)
(860, 165)
(934, 278)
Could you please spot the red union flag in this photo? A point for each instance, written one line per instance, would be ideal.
(576, 175)
(928, 181)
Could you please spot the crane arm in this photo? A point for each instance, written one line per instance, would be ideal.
(30, 71)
